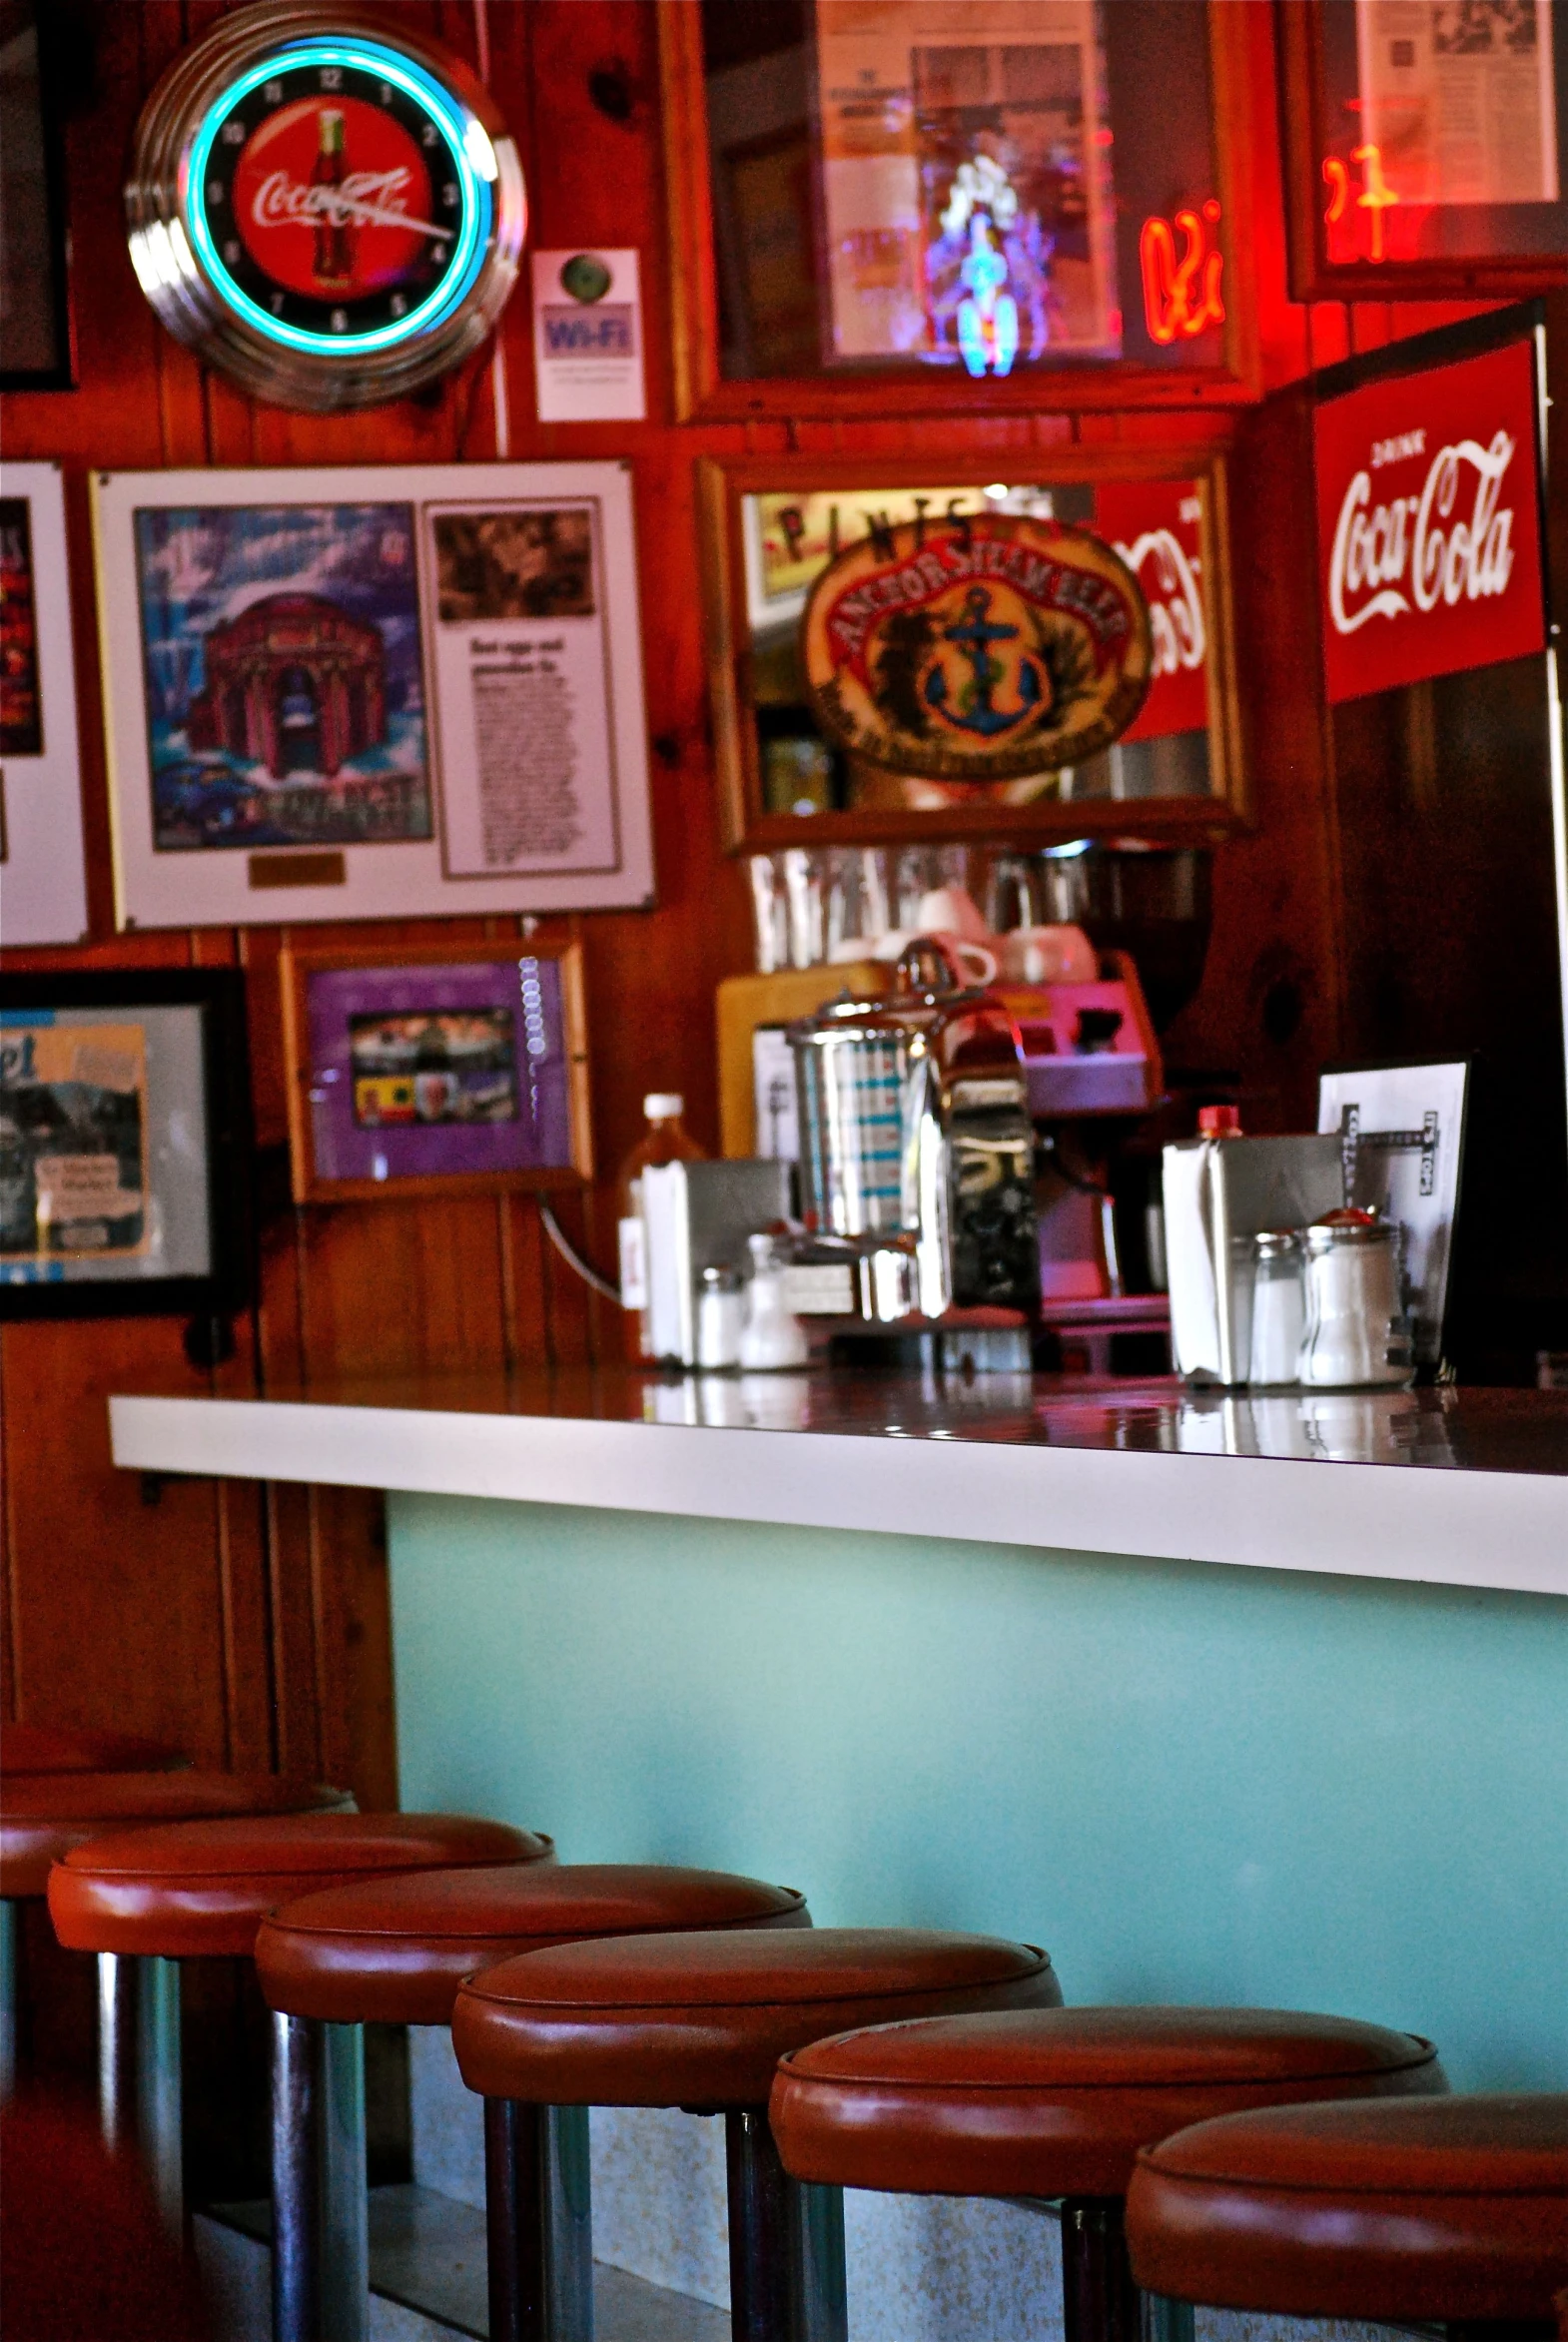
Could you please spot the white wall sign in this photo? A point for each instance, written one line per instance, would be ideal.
(587, 336)
(43, 886)
(373, 693)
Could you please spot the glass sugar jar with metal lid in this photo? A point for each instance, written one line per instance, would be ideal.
(1278, 1306)
(1355, 1332)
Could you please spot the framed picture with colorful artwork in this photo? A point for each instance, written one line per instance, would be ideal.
(42, 884)
(918, 206)
(904, 650)
(1424, 147)
(373, 693)
(124, 1143)
(435, 1069)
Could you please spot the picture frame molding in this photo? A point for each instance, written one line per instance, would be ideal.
(702, 393)
(723, 482)
(51, 106)
(297, 963)
(43, 876)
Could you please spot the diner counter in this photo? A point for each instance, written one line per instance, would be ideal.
(1454, 1487)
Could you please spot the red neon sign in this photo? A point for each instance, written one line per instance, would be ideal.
(1181, 296)
(1376, 196)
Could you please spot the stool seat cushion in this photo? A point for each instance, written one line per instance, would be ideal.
(202, 1888)
(1437, 2208)
(395, 1951)
(1057, 2101)
(46, 1814)
(48, 1748)
(702, 2020)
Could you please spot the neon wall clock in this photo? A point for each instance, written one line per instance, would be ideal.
(326, 208)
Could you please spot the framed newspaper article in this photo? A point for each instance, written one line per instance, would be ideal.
(916, 205)
(124, 1143)
(772, 525)
(1425, 147)
(42, 884)
(372, 693)
(448, 1069)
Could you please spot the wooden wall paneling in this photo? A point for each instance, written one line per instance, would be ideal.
(117, 1600)
(296, 1669)
(1272, 1001)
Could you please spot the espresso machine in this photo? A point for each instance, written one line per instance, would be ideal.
(917, 1163)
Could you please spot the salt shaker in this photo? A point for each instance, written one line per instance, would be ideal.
(1356, 1330)
(721, 1314)
(1279, 1306)
(773, 1336)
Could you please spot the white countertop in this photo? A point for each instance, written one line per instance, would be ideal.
(1053, 1478)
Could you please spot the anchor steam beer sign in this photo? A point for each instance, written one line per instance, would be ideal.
(977, 647)
(1429, 526)
(324, 206)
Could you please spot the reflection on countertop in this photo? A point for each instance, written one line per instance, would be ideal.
(1443, 1429)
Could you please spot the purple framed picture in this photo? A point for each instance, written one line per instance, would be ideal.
(425, 1071)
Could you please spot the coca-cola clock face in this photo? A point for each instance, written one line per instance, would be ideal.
(328, 210)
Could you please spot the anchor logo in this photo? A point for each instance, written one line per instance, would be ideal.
(975, 708)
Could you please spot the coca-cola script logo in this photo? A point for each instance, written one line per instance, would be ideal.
(1428, 524)
(1155, 525)
(1417, 548)
(333, 198)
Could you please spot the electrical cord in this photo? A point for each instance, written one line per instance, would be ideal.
(573, 1259)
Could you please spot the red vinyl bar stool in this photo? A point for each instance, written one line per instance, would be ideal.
(396, 1951)
(1448, 2210)
(1055, 2103)
(50, 1747)
(46, 1813)
(200, 1890)
(700, 2021)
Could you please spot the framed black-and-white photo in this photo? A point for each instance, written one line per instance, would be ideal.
(43, 886)
(35, 315)
(1401, 1129)
(124, 1142)
(375, 693)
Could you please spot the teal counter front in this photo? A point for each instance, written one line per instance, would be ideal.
(1192, 1784)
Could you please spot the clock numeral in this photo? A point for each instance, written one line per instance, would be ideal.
(330, 77)
(214, 191)
(387, 92)
(428, 135)
(275, 304)
(273, 93)
(397, 306)
(231, 251)
(234, 132)
(340, 320)
(449, 196)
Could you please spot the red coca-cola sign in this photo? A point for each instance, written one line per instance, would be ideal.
(1157, 527)
(1428, 519)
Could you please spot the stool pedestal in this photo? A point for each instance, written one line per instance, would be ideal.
(538, 2222)
(139, 2071)
(320, 2240)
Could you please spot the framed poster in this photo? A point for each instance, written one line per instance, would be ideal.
(1425, 147)
(42, 884)
(771, 526)
(1401, 1131)
(430, 1071)
(372, 693)
(35, 313)
(919, 206)
(124, 1142)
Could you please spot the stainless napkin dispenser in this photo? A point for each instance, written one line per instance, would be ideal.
(698, 1215)
(1220, 1192)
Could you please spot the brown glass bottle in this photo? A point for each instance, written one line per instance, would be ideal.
(665, 1140)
